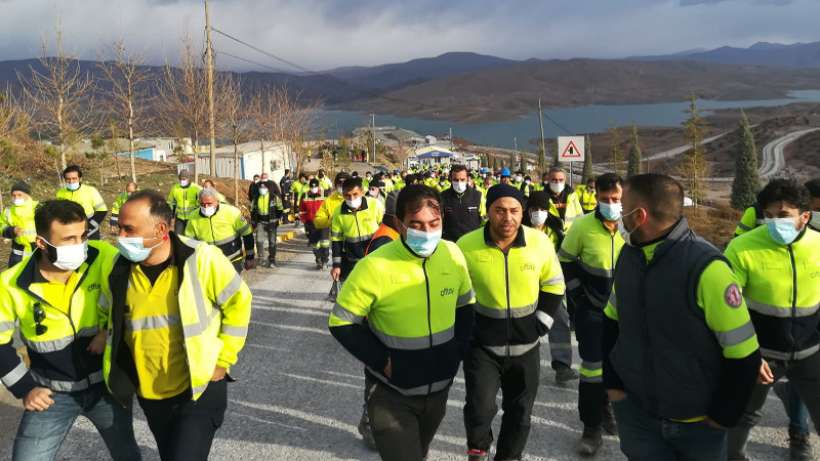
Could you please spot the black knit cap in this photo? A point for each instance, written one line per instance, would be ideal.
(22, 187)
(503, 190)
(539, 199)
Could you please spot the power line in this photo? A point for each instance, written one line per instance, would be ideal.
(260, 50)
(249, 61)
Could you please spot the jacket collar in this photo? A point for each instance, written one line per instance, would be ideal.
(519, 242)
(678, 233)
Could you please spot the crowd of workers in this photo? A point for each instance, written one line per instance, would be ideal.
(433, 271)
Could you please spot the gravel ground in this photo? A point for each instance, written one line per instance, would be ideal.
(299, 394)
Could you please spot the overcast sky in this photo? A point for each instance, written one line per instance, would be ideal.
(320, 34)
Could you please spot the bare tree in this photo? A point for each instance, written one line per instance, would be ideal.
(233, 119)
(293, 123)
(62, 95)
(182, 100)
(15, 116)
(127, 80)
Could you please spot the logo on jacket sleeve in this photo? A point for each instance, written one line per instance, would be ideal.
(732, 296)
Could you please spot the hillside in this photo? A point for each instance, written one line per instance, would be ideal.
(512, 91)
(797, 55)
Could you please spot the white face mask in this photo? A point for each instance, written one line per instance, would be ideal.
(184, 182)
(208, 211)
(314, 190)
(423, 243)
(518, 179)
(538, 218)
(67, 257)
(815, 219)
(460, 186)
(72, 186)
(374, 193)
(626, 234)
(557, 187)
(263, 191)
(18, 201)
(339, 190)
(354, 204)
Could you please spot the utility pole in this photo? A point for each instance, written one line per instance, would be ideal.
(209, 54)
(373, 128)
(451, 139)
(543, 145)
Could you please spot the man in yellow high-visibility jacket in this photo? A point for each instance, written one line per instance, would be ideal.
(183, 200)
(17, 223)
(223, 226)
(87, 196)
(56, 299)
(130, 188)
(777, 267)
(179, 318)
(324, 216)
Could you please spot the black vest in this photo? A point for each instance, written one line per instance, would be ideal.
(462, 214)
(667, 357)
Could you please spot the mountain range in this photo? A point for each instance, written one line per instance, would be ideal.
(474, 87)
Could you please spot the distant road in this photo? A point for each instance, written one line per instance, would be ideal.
(772, 160)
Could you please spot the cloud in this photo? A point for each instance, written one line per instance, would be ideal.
(320, 34)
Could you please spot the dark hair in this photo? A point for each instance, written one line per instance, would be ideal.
(813, 186)
(607, 182)
(340, 178)
(62, 211)
(661, 195)
(414, 197)
(157, 206)
(73, 169)
(256, 176)
(351, 183)
(457, 169)
(313, 182)
(784, 190)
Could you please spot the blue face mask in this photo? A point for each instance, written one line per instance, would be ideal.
(133, 248)
(610, 211)
(782, 230)
(72, 186)
(423, 243)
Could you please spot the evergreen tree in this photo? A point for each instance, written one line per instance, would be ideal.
(747, 182)
(694, 167)
(634, 165)
(615, 150)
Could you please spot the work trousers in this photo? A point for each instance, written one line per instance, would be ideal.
(184, 429)
(179, 226)
(517, 377)
(589, 322)
(560, 338)
(804, 376)
(41, 433)
(265, 232)
(16, 254)
(404, 426)
(319, 241)
(647, 438)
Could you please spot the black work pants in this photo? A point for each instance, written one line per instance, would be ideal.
(589, 328)
(404, 426)
(184, 429)
(517, 377)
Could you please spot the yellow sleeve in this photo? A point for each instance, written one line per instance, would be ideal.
(357, 296)
(322, 219)
(233, 298)
(739, 269)
(189, 229)
(99, 202)
(8, 317)
(5, 220)
(552, 279)
(241, 226)
(571, 246)
(720, 297)
(747, 222)
(336, 234)
(171, 200)
(466, 295)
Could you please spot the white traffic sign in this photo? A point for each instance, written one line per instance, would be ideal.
(570, 148)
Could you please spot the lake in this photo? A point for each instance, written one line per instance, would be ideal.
(584, 119)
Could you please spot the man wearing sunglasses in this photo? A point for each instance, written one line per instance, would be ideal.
(55, 297)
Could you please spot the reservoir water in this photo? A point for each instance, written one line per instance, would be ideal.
(577, 120)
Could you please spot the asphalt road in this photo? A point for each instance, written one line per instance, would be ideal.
(299, 394)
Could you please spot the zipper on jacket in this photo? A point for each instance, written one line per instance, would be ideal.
(794, 300)
(429, 320)
(509, 309)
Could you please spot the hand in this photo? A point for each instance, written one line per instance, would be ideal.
(19, 231)
(250, 264)
(711, 423)
(336, 274)
(765, 376)
(97, 344)
(615, 395)
(38, 399)
(388, 369)
(219, 374)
